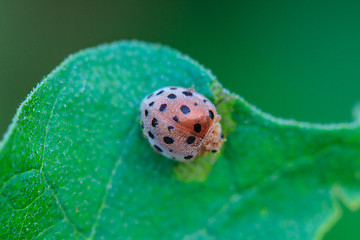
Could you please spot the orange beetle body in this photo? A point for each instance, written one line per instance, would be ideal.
(180, 123)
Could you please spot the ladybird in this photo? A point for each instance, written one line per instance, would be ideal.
(180, 123)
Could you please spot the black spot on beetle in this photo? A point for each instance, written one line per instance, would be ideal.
(190, 140)
(154, 122)
(197, 127)
(171, 96)
(162, 107)
(176, 119)
(150, 104)
(170, 127)
(150, 95)
(188, 156)
(185, 109)
(187, 93)
(146, 113)
(168, 140)
(195, 104)
(204, 100)
(157, 148)
(222, 136)
(151, 135)
(214, 151)
(142, 125)
(173, 88)
(159, 92)
(211, 114)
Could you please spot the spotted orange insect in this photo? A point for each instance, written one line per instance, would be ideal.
(180, 123)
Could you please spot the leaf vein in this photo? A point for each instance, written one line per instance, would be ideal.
(108, 187)
(76, 231)
(47, 128)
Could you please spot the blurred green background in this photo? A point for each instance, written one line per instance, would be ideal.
(293, 59)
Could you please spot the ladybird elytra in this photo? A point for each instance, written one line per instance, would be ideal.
(181, 123)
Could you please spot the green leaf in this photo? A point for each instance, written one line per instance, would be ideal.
(74, 164)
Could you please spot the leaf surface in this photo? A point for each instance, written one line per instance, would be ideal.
(74, 164)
